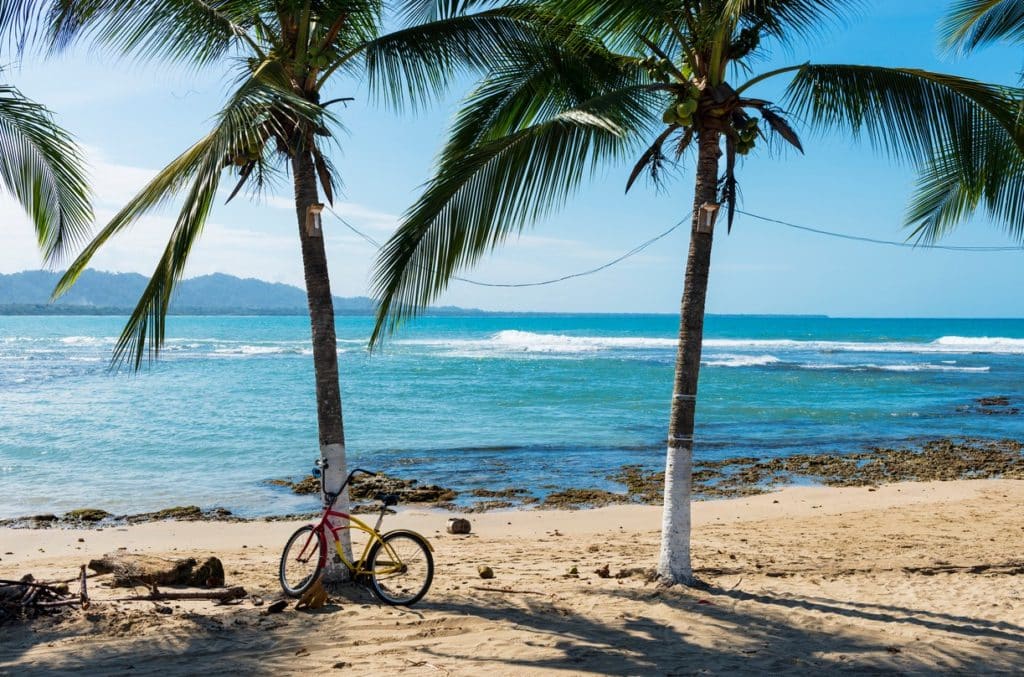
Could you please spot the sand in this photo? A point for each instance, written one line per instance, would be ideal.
(912, 577)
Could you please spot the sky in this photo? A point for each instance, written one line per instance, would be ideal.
(134, 118)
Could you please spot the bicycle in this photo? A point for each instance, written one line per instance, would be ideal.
(397, 565)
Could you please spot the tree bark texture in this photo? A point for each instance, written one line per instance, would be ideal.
(325, 345)
(674, 564)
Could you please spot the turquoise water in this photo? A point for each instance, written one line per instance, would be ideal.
(543, 402)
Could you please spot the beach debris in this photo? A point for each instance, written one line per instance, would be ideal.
(314, 597)
(603, 572)
(573, 572)
(223, 595)
(459, 525)
(28, 598)
(485, 571)
(277, 607)
(131, 569)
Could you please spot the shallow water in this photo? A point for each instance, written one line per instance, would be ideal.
(537, 401)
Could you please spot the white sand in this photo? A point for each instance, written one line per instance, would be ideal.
(915, 577)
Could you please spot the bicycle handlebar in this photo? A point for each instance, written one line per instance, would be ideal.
(332, 496)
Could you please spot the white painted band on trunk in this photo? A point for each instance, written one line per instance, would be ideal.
(685, 397)
(674, 556)
(334, 474)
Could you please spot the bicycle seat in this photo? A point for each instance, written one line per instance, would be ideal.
(388, 499)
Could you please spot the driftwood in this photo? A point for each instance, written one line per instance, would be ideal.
(131, 569)
(26, 598)
(223, 595)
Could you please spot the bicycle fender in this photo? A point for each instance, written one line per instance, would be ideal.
(411, 533)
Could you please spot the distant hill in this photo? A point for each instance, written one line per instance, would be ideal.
(100, 293)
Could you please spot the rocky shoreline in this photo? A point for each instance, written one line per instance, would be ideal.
(935, 460)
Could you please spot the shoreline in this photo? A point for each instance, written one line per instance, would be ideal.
(911, 577)
(942, 459)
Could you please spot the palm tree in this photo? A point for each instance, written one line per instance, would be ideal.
(285, 55)
(41, 166)
(652, 80)
(990, 172)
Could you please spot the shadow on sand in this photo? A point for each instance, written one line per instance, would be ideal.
(758, 632)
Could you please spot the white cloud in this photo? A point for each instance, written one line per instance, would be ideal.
(248, 241)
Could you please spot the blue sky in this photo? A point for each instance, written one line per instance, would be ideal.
(133, 119)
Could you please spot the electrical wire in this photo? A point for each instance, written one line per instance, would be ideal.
(871, 240)
(517, 285)
(647, 243)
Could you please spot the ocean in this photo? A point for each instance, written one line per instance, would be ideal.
(543, 402)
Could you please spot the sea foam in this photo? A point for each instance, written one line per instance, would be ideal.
(513, 340)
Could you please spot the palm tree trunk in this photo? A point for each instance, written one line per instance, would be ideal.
(674, 559)
(325, 346)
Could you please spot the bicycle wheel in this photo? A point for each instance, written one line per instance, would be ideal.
(302, 561)
(401, 568)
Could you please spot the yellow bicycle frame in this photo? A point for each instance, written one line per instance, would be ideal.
(358, 566)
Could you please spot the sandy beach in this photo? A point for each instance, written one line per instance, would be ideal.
(909, 577)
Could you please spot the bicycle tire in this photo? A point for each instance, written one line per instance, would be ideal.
(411, 582)
(301, 537)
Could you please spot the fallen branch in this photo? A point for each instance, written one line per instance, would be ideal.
(225, 595)
(83, 596)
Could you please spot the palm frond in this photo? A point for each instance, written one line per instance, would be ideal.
(416, 64)
(626, 24)
(188, 31)
(786, 20)
(414, 12)
(43, 169)
(778, 124)
(970, 24)
(483, 193)
(255, 111)
(909, 114)
(957, 182)
(652, 159)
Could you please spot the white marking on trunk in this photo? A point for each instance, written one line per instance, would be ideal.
(674, 559)
(334, 475)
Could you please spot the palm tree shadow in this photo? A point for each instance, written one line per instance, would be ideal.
(932, 620)
(704, 631)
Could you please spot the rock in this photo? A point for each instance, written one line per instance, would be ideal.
(485, 571)
(366, 489)
(86, 515)
(307, 485)
(187, 512)
(458, 525)
(511, 492)
(277, 607)
(603, 572)
(579, 498)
